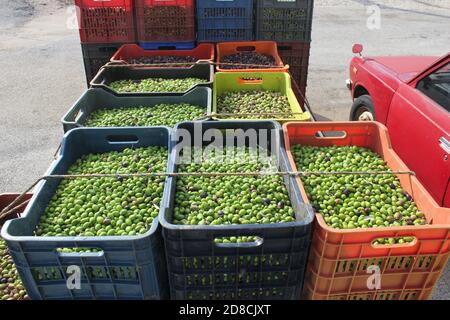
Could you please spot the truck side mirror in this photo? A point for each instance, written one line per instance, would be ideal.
(357, 48)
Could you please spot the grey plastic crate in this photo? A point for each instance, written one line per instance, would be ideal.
(95, 98)
(272, 269)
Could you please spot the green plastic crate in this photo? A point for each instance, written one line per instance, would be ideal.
(265, 81)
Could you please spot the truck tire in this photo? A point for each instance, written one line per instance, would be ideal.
(363, 109)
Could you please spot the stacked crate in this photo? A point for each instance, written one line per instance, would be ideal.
(165, 24)
(104, 26)
(289, 23)
(219, 21)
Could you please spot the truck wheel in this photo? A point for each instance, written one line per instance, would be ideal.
(363, 109)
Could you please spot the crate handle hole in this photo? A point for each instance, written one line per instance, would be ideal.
(79, 252)
(284, 48)
(78, 115)
(120, 139)
(331, 134)
(246, 48)
(250, 80)
(253, 243)
(167, 48)
(394, 242)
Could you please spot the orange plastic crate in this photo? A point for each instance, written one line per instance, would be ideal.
(262, 47)
(203, 52)
(339, 259)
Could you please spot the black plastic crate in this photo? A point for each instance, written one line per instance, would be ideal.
(96, 56)
(296, 55)
(278, 20)
(124, 72)
(272, 268)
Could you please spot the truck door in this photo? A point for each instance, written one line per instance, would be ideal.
(419, 126)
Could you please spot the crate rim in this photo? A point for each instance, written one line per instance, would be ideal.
(87, 239)
(183, 51)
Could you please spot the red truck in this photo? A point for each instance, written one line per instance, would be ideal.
(411, 96)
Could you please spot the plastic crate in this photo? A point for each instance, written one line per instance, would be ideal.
(203, 52)
(296, 55)
(96, 56)
(165, 20)
(6, 199)
(105, 21)
(300, 94)
(114, 73)
(224, 20)
(262, 47)
(182, 45)
(94, 99)
(274, 81)
(200, 269)
(280, 20)
(339, 259)
(127, 267)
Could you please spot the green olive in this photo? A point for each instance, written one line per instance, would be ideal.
(355, 201)
(107, 206)
(158, 115)
(234, 199)
(254, 102)
(155, 85)
(11, 287)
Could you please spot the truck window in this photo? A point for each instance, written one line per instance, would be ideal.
(436, 86)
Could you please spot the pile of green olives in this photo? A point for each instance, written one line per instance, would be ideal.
(351, 201)
(107, 206)
(158, 115)
(234, 199)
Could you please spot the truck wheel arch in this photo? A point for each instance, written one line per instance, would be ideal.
(360, 91)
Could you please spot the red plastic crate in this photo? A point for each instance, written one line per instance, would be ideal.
(165, 20)
(204, 52)
(105, 21)
(339, 259)
(7, 198)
